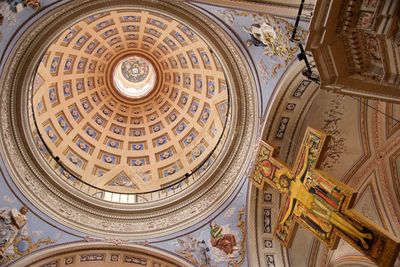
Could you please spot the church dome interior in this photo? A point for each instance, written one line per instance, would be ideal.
(130, 102)
(200, 133)
(134, 115)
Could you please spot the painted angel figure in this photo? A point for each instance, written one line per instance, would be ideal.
(12, 222)
(17, 6)
(261, 35)
(221, 239)
(7, 16)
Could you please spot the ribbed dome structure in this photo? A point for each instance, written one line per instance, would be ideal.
(130, 101)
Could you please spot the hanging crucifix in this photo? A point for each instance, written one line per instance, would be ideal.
(320, 203)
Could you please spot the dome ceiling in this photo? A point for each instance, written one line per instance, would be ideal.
(130, 119)
(130, 101)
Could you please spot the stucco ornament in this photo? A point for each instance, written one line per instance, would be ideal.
(263, 33)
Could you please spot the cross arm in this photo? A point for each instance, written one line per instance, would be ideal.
(265, 166)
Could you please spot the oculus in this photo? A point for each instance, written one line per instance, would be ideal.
(134, 77)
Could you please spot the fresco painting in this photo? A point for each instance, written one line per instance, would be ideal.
(218, 243)
(21, 231)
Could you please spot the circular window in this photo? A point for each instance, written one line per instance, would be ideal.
(134, 77)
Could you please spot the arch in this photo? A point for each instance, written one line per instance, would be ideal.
(292, 90)
(101, 254)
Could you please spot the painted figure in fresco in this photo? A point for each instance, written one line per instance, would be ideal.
(261, 35)
(223, 241)
(11, 223)
(17, 6)
(187, 245)
(316, 201)
(194, 250)
(34, 4)
(135, 70)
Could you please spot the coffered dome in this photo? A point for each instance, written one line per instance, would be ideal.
(130, 118)
(129, 101)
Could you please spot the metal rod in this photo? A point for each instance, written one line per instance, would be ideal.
(296, 24)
